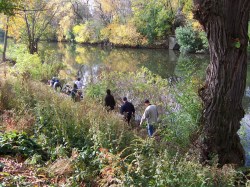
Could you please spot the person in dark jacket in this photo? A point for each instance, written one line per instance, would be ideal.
(74, 93)
(55, 83)
(109, 101)
(127, 109)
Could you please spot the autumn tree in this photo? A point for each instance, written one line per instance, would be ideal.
(37, 16)
(154, 19)
(226, 24)
(32, 21)
(8, 8)
(81, 9)
(69, 14)
(108, 11)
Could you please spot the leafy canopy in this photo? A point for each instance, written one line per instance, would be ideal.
(8, 7)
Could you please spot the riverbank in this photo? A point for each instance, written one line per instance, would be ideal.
(156, 45)
(86, 145)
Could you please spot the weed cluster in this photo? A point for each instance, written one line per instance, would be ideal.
(20, 144)
(87, 145)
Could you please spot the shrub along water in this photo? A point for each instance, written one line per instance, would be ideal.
(136, 86)
(191, 40)
(178, 105)
(30, 65)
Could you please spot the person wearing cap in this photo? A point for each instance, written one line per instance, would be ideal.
(151, 116)
(127, 109)
(109, 101)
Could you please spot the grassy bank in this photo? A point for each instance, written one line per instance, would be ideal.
(76, 144)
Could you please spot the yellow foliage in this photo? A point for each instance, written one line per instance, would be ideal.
(188, 6)
(190, 15)
(2, 21)
(88, 32)
(107, 6)
(123, 35)
(66, 21)
(195, 24)
(80, 60)
(16, 25)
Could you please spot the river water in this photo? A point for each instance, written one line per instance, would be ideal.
(89, 61)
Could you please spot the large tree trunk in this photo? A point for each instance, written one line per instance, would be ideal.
(226, 23)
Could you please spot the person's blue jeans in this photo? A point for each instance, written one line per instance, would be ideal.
(150, 130)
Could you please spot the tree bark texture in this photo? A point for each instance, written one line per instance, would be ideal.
(226, 24)
(32, 42)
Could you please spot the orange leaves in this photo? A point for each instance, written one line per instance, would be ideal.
(111, 169)
(14, 122)
(105, 156)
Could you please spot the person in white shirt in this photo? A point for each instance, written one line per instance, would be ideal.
(79, 83)
(151, 116)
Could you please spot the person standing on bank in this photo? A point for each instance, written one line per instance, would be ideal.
(127, 109)
(79, 84)
(74, 93)
(151, 115)
(109, 101)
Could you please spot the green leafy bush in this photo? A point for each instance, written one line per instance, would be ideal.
(183, 123)
(30, 65)
(13, 143)
(191, 40)
(96, 91)
(154, 20)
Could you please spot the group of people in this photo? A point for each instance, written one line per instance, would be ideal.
(75, 92)
(55, 83)
(150, 114)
